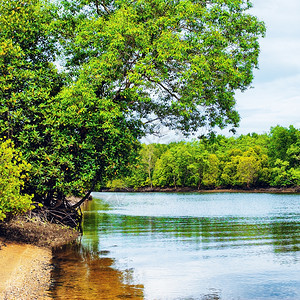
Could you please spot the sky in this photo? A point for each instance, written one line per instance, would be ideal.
(274, 98)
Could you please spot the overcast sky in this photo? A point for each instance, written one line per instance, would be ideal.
(275, 96)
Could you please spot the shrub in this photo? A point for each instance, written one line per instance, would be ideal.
(13, 173)
(116, 184)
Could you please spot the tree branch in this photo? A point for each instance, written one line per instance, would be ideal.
(164, 87)
(105, 7)
(150, 121)
(97, 7)
(86, 195)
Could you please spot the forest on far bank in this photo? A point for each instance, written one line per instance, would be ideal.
(248, 161)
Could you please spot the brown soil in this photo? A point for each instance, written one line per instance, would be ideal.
(36, 232)
(25, 255)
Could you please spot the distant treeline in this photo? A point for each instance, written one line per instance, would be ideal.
(248, 161)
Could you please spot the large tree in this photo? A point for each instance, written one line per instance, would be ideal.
(70, 137)
(28, 79)
(179, 62)
(124, 64)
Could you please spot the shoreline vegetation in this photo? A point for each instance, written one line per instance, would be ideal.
(248, 162)
(273, 190)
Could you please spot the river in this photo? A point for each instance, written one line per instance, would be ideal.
(183, 246)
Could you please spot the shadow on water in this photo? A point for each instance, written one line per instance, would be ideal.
(80, 273)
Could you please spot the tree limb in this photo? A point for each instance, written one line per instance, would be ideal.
(164, 87)
(105, 7)
(86, 195)
(150, 121)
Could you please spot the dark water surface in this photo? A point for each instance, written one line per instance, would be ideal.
(183, 246)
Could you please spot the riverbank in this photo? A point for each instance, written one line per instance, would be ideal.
(24, 271)
(290, 190)
(25, 257)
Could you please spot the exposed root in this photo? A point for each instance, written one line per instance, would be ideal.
(62, 213)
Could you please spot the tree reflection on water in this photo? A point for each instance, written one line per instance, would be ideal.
(80, 273)
(244, 247)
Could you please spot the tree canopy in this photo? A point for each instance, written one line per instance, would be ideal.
(81, 81)
(247, 161)
(176, 61)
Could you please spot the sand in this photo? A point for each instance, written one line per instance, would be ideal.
(24, 271)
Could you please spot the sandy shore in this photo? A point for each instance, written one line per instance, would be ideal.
(25, 256)
(24, 271)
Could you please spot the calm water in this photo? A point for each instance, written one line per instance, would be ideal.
(183, 246)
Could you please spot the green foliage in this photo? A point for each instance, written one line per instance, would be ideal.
(181, 165)
(86, 137)
(281, 139)
(283, 175)
(28, 79)
(280, 176)
(284, 153)
(245, 168)
(116, 184)
(242, 162)
(176, 61)
(142, 171)
(211, 176)
(126, 64)
(71, 136)
(148, 159)
(164, 174)
(13, 174)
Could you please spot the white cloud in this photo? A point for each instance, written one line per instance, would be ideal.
(281, 17)
(280, 52)
(275, 98)
(269, 104)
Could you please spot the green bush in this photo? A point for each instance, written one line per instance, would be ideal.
(116, 184)
(12, 176)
